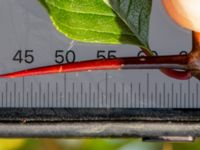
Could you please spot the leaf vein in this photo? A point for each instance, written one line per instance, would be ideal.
(61, 23)
(80, 12)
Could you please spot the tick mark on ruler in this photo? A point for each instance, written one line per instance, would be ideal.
(69, 97)
(44, 100)
(6, 93)
(2, 99)
(73, 93)
(15, 96)
(56, 94)
(31, 94)
(23, 89)
(81, 94)
(48, 93)
(106, 92)
(11, 100)
(197, 95)
(131, 93)
(77, 98)
(27, 99)
(176, 100)
(147, 86)
(185, 100)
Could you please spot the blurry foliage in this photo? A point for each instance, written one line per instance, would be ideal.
(91, 144)
(11, 144)
(187, 146)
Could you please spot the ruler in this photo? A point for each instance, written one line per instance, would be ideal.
(110, 90)
(28, 40)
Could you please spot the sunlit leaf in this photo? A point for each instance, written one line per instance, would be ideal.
(94, 21)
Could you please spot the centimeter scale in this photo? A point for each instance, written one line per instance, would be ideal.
(142, 103)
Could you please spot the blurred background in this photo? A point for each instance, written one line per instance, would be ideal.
(92, 144)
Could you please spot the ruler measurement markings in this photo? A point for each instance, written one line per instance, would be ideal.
(31, 90)
(68, 95)
(44, 99)
(61, 98)
(164, 94)
(129, 100)
(131, 94)
(193, 104)
(36, 99)
(27, 100)
(139, 94)
(110, 97)
(126, 100)
(197, 95)
(48, 94)
(70, 99)
(23, 90)
(106, 88)
(135, 95)
(19, 97)
(52, 98)
(6, 93)
(77, 98)
(160, 99)
(56, 98)
(123, 96)
(2, 99)
(189, 93)
(156, 101)
(119, 99)
(151, 105)
(143, 97)
(85, 101)
(73, 94)
(147, 80)
(15, 97)
(115, 99)
(90, 94)
(40, 94)
(176, 98)
(185, 103)
(102, 100)
(172, 94)
(81, 93)
(168, 99)
(98, 93)
(180, 87)
(65, 86)
(94, 99)
(10, 102)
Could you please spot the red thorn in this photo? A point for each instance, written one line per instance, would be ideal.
(73, 67)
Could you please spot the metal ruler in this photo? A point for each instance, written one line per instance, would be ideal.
(73, 101)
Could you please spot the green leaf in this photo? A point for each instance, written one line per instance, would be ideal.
(93, 21)
(136, 14)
